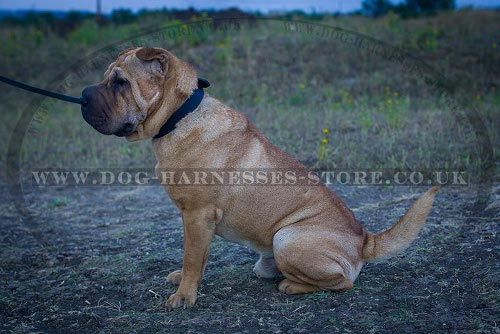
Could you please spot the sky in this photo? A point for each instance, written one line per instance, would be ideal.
(250, 5)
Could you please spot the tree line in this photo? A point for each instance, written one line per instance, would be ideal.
(407, 9)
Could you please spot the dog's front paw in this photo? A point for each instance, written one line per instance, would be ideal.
(178, 299)
(175, 277)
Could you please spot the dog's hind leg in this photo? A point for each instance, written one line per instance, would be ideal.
(309, 267)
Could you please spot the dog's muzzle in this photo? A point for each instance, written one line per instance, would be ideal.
(94, 112)
(97, 111)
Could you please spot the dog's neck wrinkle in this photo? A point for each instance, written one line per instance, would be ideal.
(159, 116)
(171, 93)
(167, 108)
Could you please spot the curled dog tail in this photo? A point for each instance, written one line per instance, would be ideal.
(401, 235)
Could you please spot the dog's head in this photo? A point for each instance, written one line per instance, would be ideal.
(140, 90)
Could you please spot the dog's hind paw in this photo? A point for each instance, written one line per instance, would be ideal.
(175, 277)
(292, 288)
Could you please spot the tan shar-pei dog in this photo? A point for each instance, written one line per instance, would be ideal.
(301, 231)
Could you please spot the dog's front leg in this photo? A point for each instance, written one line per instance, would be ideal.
(199, 228)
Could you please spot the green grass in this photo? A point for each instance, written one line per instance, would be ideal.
(291, 85)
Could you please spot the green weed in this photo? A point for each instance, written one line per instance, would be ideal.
(427, 38)
(224, 52)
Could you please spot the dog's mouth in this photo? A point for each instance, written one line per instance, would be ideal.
(98, 123)
(97, 112)
(126, 130)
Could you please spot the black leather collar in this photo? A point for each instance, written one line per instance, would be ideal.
(188, 106)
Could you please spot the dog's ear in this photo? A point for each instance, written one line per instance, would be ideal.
(158, 57)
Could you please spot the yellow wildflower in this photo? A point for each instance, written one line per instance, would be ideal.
(325, 130)
(302, 86)
(324, 141)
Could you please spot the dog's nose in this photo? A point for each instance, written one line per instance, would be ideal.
(83, 101)
(86, 94)
(86, 105)
(86, 98)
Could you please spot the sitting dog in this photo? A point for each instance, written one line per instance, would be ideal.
(303, 232)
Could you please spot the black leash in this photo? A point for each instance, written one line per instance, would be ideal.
(43, 91)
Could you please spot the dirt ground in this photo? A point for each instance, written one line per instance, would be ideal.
(94, 260)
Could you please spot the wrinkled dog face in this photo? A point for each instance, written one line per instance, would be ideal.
(132, 87)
